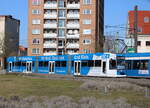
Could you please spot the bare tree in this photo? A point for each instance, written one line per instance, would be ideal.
(109, 44)
(2, 45)
(2, 50)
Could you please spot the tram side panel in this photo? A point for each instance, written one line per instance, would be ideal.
(137, 68)
(24, 64)
(135, 64)
(53, 64)
(92, 65)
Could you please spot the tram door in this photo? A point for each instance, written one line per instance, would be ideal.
(29, 67)
(51, 67)
(104, 67)
(77, 67)
(10, 66)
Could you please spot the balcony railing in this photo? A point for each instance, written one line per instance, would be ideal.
(50, 35)
(73, 6)
(49, 16)
(49, 53)
(73, 25)
(73, 16)
(50, 45)
(50, 25)
(50, 6)
(72, 45)
(73, 36)
(61, 46)
(71, 53)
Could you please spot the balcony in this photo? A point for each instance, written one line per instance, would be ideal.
(50, 6)
(73, 25)
(73, 16)
(71, 53)
(50, 25)
(50, 16)
(73, 6)
(50, 45)
(61, 46)
(72, 45)
(50, 35)
(73, 36)
(50, 53)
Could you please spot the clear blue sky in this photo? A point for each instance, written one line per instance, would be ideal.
(115, 13)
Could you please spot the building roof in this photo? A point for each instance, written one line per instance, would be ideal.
(10, 16)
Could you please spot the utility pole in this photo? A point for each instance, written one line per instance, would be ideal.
(116, 43)
(135, 27)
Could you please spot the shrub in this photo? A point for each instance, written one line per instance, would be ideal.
(110, 85)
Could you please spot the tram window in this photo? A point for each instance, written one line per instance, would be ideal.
(57, 63)
(33, 64)
(84, 63)
(112, 64)
(121, 64)
(63, 63)
(90, 63)
(13, 64)
(60, 63)
(23, 64)
(128, 64)
(72, 63)
(136, 64)
(97, 63)
(42, 64)
(18, 64)
(144, 65)
(45, 64)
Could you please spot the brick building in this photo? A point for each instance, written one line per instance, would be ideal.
(59, 27)
(143, 30)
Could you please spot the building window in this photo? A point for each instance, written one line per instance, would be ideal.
(87, 31)
(36, 2)
(146, 19)
(139, 29)
(147, 43)
(86, 21)
(86, 51)
(86, 2)
(61, 23)
(86, 11)
(36, 11)
(35, 31)
(62, 13)
(61, 3)
(36, 21)
(35, 51)
(86, 41)
(61, 32)
(36, 41)
(139, 43)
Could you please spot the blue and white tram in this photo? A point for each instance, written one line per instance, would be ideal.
(134, 64)
(24, 64)
(98, 64)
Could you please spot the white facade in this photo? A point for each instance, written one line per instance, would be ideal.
(143, 47)
(143, 41)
